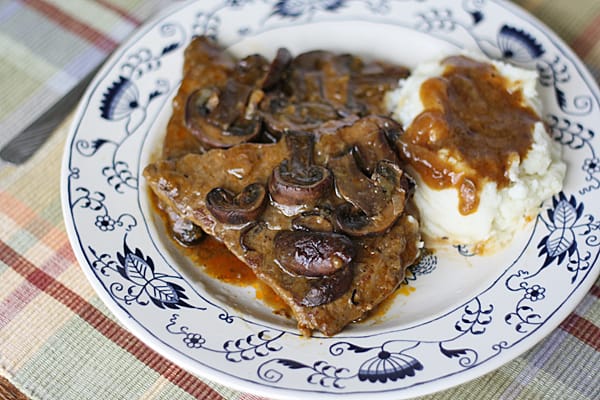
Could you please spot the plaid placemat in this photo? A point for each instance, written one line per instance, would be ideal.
(47, 46)
(58, 340)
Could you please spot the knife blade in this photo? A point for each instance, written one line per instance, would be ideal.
(29, 140)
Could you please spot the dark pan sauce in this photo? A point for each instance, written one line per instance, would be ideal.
(219, 263)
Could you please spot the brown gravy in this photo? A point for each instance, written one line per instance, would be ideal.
(359, 90)
(469, 113)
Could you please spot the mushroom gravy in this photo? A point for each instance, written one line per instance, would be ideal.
(345, 276)
(220, 93)
(289, 166)
(473, 118)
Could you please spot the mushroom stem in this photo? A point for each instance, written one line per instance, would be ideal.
(297, 180)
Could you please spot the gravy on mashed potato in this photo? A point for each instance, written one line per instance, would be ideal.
(470, 113)
(477, 147)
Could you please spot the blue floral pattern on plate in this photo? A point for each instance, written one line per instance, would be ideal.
(122, 251)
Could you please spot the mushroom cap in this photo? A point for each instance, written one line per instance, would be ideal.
(282, 114)
(277, 68)
(313, 254)
(299, 186)
(327, 289)
(212, 131)
(371, 137)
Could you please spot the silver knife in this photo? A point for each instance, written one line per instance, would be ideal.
(30, 139)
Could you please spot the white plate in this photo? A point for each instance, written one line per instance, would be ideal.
(467, 315)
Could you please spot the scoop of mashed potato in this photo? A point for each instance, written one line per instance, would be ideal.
(501, 211)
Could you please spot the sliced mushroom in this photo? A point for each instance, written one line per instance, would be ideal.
(291, 185)
(229, 208)
(227, 114)
(297, 180)
(378, 76)
(217, 119)
(391, 178)
(251, 70)
(374, 204)
(327, 289)
(184, 231)
(322, 76)
(282, 114)
(230, 106)
(277, 69)
(337, 72)
(314, 91)
(319, 86)
(313, 254)
(311, 60)
(304, 82)
(370, 83)
(221, 111)
(370, 137)
(317, 220)
(304, 290)
(331, 127)
(250, 236)
(354, 186)
(354, 222)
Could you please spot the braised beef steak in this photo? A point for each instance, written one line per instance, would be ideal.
(223, 101)
(289, 165)
(327, 258)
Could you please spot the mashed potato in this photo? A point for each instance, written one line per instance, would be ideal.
(502, 209)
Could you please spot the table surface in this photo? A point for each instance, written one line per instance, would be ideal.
(59, 341)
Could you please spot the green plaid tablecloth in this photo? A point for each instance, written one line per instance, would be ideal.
(59, 341)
